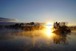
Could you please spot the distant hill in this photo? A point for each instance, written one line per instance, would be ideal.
(7, 20)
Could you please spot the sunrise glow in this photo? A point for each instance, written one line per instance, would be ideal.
(48, 29)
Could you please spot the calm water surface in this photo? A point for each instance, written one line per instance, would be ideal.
(19, 40)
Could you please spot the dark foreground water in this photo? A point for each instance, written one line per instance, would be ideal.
(18, 40)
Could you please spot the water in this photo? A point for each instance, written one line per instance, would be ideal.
(19, 40)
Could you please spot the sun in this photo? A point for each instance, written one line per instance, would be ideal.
(48, 29)
(49, 25)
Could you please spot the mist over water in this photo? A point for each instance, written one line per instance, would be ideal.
(37, 25)
(20, 40)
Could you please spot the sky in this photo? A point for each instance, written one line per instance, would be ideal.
(39, 10)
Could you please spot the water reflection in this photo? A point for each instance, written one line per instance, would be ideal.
(60, 39)
(19, 40)
(45, 34)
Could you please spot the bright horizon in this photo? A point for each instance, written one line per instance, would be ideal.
(39, 10)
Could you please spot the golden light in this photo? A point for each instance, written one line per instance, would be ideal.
(48, 29)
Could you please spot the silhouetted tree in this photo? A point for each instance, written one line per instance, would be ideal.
(32, 23)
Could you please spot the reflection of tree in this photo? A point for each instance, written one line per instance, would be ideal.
(61, 31)
(60, 39)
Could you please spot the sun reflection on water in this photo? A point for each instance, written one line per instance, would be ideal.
(48, 30)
